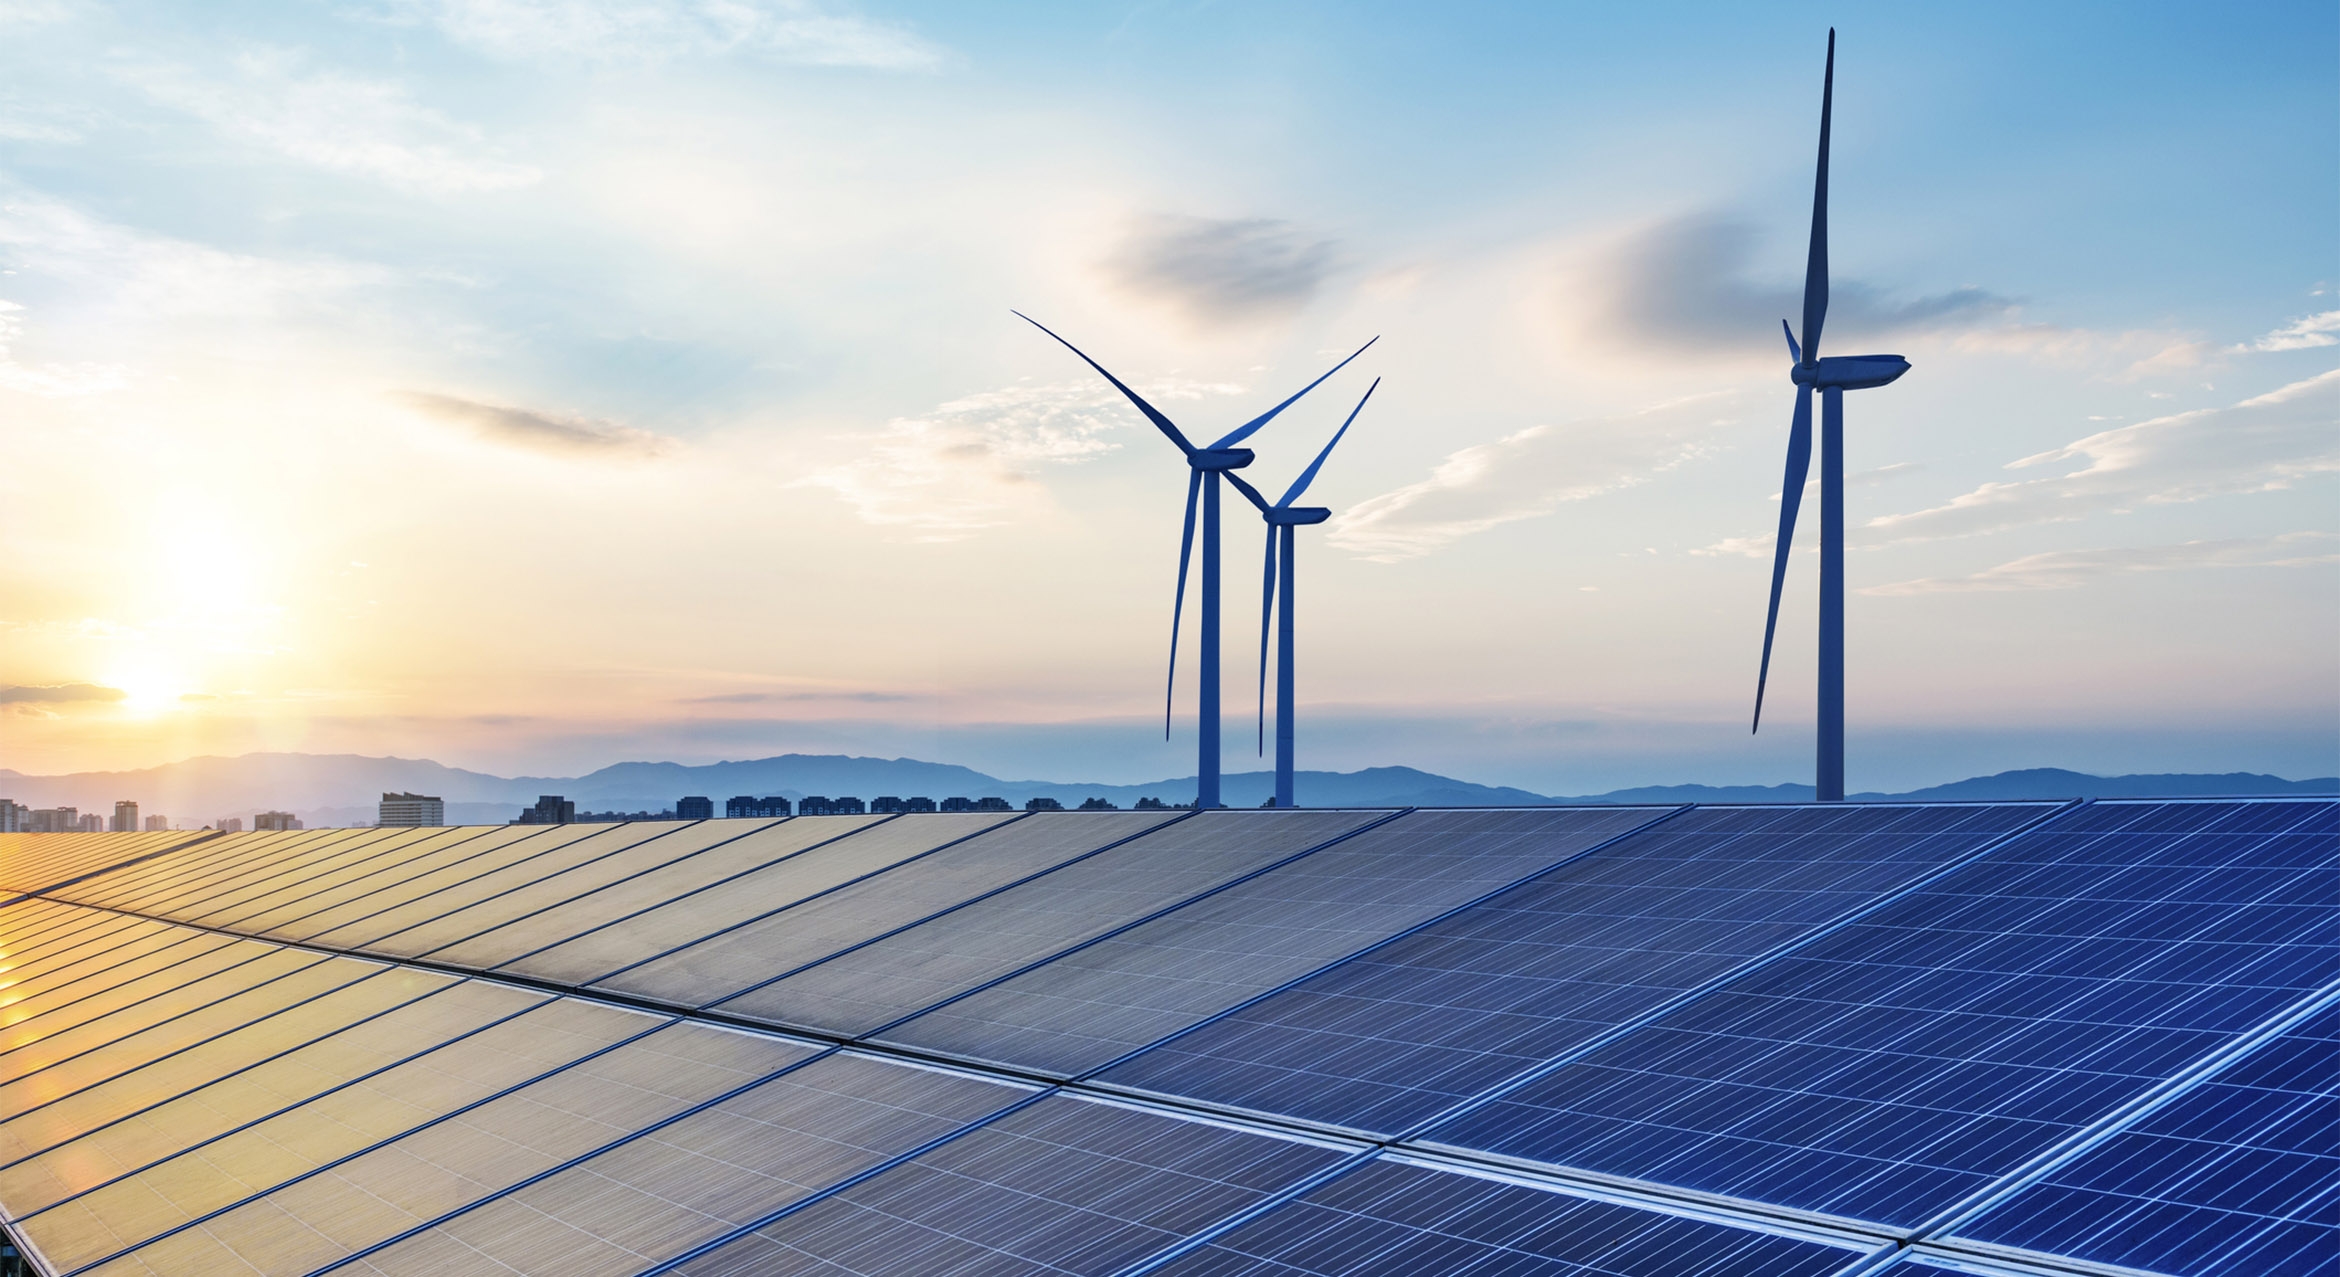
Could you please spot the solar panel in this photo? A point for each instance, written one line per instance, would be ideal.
(338, 1210)
(103, 1209)
(1893, 1067)
(2239, 1174)
(311, 874)
(663, 1192)
(1100, 1002)
(515, 861)
(699, 949)
(305, 895)
(1062, 1186)
(1397, 1216)
(1400, 1034)
(895, 976)
(272, 978)
(772, 869)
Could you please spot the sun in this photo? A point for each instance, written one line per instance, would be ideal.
(148, 690)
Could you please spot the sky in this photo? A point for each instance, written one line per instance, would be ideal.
(532, 385)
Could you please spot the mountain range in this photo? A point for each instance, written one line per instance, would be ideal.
(340, 789)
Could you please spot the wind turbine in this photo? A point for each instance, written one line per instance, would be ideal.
(1831, 377)
(1281, 518)
(1204, 466)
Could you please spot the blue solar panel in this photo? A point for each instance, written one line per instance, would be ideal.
(1894, 1067)
(2237, 1175)
(1402, 1033)
(1400, 1218)
(1064, 1186)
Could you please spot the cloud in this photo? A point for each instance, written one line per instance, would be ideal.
(651, 30)
(144, 277)
(2066, 569)
(1529, 474)
(762, 698)
(1683, 284)
(2301, 334)
(1220, 272)
(60, 693)
(50, 381)
(536, 431)
(341, 123)
(2258, 445)
(972, 463)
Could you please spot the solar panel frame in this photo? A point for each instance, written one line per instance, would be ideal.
(1510, 1110)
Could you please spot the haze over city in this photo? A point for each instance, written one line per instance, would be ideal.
(531, 386)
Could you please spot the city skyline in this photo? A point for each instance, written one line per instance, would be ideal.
(536, 386)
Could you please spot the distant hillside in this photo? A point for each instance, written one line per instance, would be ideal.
(340, 789)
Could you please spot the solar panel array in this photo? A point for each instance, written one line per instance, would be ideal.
(2045, 1038)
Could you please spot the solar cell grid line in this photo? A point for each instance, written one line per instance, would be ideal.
(462, 885)
(86, 888)
(1399, 1216)
(242, 1198)
(118, 978)
(814, 863)
(667, 847)
(214, 1177)
(1900, 1063)
(332, 905)
(92, 1023)
(193, 900)
(1387, 1040)
(70, 936)
(30, 1131)
(140, 888)
(681, 956)
(1075, 1011)
(698, 1176)
(52, 1076)
(220, 1109)
(91, 866)
(263, 914)
(2236, 1173)
(1064, 1184)
(365, 1204)
(229, 908)
(882, 981)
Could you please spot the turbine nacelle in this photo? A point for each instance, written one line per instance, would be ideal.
(1220, 458)
(1849, 372)
(1290, 516)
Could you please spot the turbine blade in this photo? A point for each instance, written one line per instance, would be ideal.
(1249, 492)
(1248, 428)
(1308, 476)
(1816, 266)
(1267, 614)
(1795, 352)
(1153, 414)
(1178, 605)
(1791, 496)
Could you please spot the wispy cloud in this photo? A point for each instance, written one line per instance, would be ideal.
(147, 276)
(2066, 569)
(1214, 272)
(972, 463)
(2301, 334)
(372, 129)
(50, 381)
(1529, 474)
(650, 30)
(536, 431)
(60, 694)
(2258, 445)
(1686, 284)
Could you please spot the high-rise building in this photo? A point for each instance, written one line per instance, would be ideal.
(694, 809)
(54, 820)
(12, 816)
(550, 809)
(748, 808)
(276, 820)
(125, 818)
(93, 824)
(229, 824)
(411, 809)
(157, 824)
